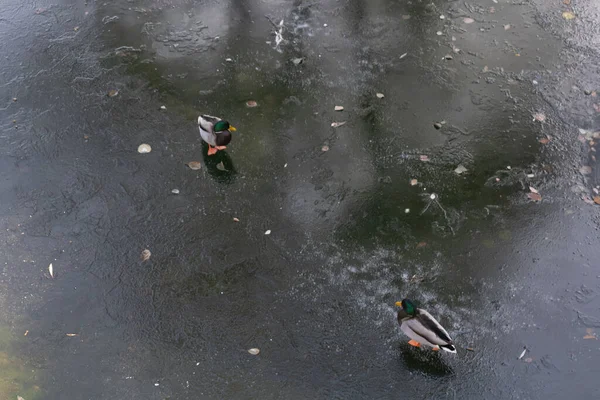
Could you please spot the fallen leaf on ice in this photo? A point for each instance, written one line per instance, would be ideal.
(221, 166)
(325, 148)
(534, 196)
(460, 169)
(380, 95)
(113, 93)
(421, 244)
(413, 182)
(268, 232)
(585, 170)
(144, 148)
(468, 20)
(506, 27)
(195, 165)
(590, 334)
(175, 191)
(522, 354)
(337, 124)
(254, 351)
(567, 2)
(71, 334)
(597, 199)
(568, 15)
(51, 270)
(424, 158)
(339, 108)
(544, 140)
(533, 190)
(20, 398)
(236, 219)
(528, 360)
(145, 256)
(539, 117)
(251, 104)
(26, 332)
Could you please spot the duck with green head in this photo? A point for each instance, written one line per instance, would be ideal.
(216, 132)
(422, 328)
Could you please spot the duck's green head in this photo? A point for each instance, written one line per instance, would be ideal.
(223, 126)
(407, 306)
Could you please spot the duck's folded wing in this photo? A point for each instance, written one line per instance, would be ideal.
(425, 325)
(210, 118)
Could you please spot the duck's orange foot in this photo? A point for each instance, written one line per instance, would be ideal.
(436, 348)
(211, 150)
(414, 343)
(220, 147)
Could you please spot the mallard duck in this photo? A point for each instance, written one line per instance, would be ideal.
(216, 132)
(422, 328)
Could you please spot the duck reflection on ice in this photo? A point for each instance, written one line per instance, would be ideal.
(430, 363)
(219, 166)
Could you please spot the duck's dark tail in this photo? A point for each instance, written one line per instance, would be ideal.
(449, 348)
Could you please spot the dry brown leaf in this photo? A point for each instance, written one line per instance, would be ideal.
(590, 337)
(251, 104)
(254, 351)
(568, 15)
(337, 124)
(71, 334)
(597, 199)
(413, 182)
(544, 140)
(113, 93)
(470, 349)
(236, 219)
(26, 333)
(195, 165)
(145, 256)
(533, 190)
(534, 196)
(325, 148)
(567, 2)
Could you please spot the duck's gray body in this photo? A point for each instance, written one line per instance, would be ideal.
(425, 329)
(206, 124)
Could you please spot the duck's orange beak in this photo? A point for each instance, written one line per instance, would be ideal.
(232, 129)
(398, 304)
